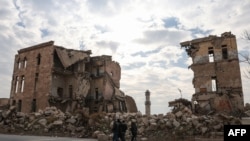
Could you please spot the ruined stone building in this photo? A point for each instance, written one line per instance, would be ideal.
(217, 76)
(49, 75)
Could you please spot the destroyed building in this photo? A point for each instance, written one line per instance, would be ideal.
(217, 76)
(49, 75)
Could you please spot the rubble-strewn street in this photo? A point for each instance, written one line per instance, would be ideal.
(173, 125)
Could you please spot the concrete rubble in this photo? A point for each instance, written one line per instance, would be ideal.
(52, 122)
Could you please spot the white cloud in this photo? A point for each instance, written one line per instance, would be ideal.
(133, 32)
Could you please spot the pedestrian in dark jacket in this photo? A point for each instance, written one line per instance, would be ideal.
(133, 130)
(123, 129)
(116, 129)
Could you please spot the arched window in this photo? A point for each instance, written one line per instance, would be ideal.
(16, 84)
(13, 102)
(25, 62)
(38, 59)
(19, 64)
(22, 83)
(36, 80)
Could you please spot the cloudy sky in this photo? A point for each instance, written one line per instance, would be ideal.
(142, 35)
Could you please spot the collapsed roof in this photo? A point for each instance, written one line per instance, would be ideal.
(69, 57)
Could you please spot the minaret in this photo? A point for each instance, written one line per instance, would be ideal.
(147, 103)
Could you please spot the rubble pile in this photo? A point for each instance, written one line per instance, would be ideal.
(181, 124)
(51, 121)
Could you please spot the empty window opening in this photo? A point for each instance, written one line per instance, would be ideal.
(97, 71)
(33, 105)
(19, 107)
(24, 63)
(123, 106)
(96, 93)
(14, 103)
(38, 59)
(36, 81)
(60, 92)
(211, 54)
(214, 84)
(120, 106)
(211, 57)
(70, 91)
(22, 84)
(78, 67)
(19, 64)
(224, 53)
(81, 66)
(16, 85)
(71, 68)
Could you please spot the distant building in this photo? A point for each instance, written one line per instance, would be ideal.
(4, 103)
(217, 76)
(147, 103)
(50, 75)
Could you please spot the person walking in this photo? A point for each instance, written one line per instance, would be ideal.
(123, 130)
(116, 129)
(133, 130)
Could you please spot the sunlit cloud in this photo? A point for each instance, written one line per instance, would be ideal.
(143, 36)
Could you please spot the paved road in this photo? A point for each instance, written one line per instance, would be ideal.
(4, 137)
(245, 121)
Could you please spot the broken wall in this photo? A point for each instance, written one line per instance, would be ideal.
(105, 74)
(108, 91)
(114, 70)
(49, 75)
(96, 91)
(215, 44)
(32, 72)
(222, 71)
(217, 77)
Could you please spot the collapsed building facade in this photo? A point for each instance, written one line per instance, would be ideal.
(49, 75)
(217, 76)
